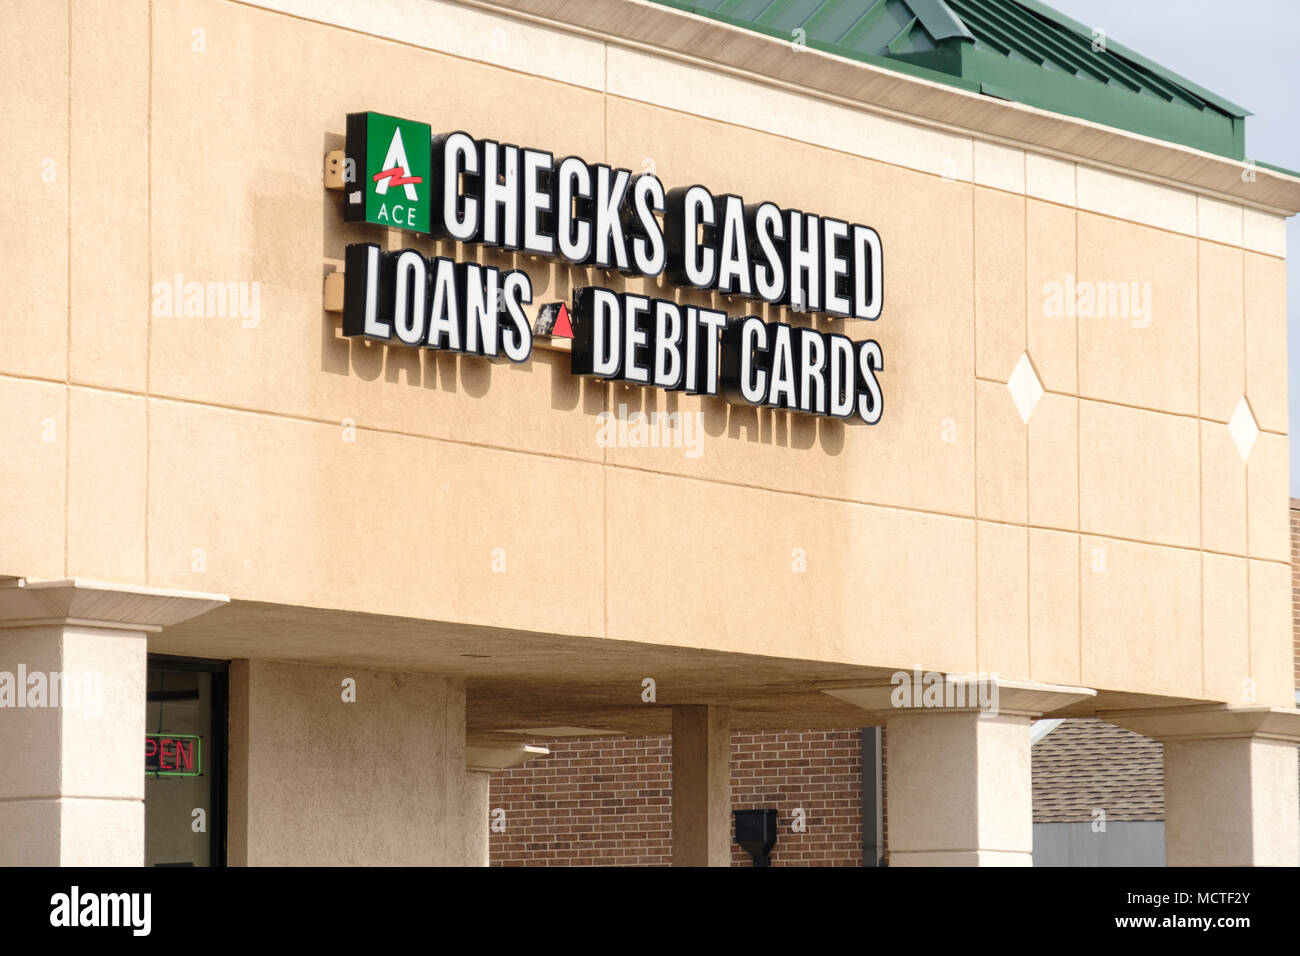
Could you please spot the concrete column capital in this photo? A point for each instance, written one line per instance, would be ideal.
(489, 756)
(1209, 722)
(25, 602)
(955, 693)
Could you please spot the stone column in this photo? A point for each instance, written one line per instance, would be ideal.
(485, 756)
(72, 717)
(346, 766)
(958, 765)
(1231, 797)
(701, 786)
(478, 791)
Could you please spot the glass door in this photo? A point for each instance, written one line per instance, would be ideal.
(185, 762)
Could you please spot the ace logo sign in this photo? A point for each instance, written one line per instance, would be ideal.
(454, 187)
(391, 157)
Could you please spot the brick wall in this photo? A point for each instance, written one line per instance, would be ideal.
(608, 801)
(818, 772)
(594, 801)
(884, 792)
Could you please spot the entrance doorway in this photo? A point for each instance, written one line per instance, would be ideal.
(185, 762)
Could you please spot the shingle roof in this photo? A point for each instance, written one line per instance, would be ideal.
(1085, 765)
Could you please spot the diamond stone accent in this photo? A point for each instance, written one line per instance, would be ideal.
(1025, 388)
(1243, 429)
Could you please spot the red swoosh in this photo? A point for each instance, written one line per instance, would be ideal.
(395, 177)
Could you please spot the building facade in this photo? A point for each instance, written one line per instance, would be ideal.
(1098, 794)
(707, 373)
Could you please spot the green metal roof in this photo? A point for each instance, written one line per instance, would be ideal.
(1019, 50)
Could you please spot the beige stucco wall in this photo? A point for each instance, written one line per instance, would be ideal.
(1116, 540)
(319, 781)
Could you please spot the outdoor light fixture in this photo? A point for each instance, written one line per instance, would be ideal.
(756, 833)
(489, 756)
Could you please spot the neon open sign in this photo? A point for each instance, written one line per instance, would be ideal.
(172, 755)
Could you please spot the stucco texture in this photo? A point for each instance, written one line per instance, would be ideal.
(1101, 542)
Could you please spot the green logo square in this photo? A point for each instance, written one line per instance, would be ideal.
(392, 162)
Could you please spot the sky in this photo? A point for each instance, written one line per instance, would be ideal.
(1244, 51)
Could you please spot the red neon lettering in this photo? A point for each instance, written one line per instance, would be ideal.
(185, 750)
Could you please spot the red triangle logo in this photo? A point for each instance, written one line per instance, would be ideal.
(562, 328)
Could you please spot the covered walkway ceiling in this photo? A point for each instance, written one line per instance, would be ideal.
(519, 680)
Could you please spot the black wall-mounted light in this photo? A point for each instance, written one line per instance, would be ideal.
(756, 833)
